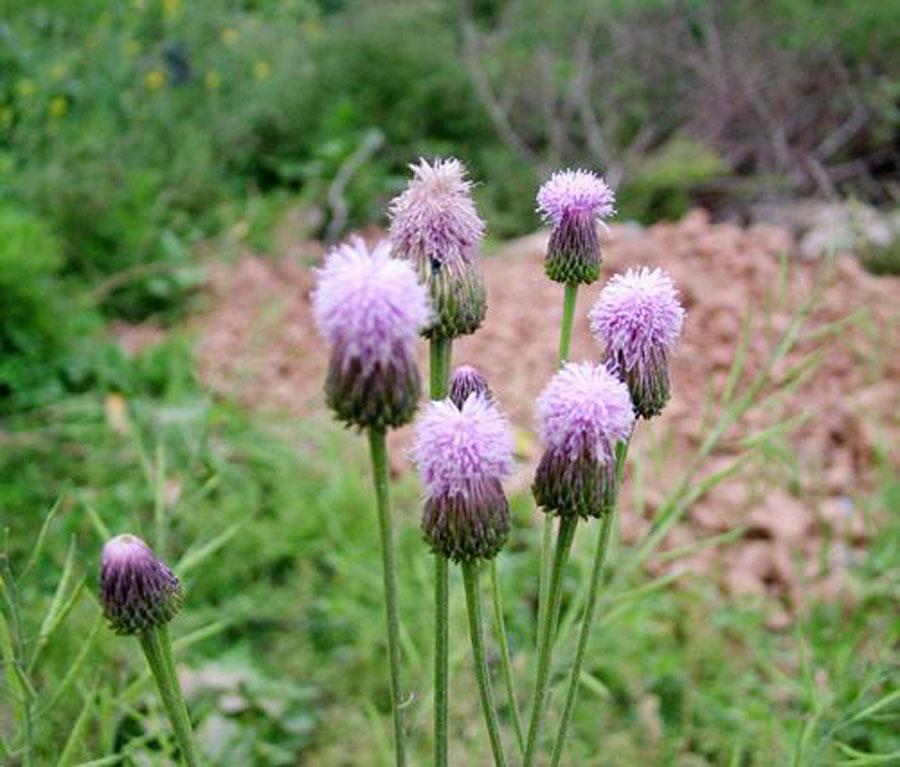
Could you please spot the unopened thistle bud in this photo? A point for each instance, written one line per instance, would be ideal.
(462, 454)
(574, 202)
(435, 225)
(581, 415)
(638, 319)
(466, 381)
(137, 589)
(371, 309)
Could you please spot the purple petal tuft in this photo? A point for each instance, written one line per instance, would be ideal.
(570, 192)
(584, 410)
(456, 448)
(368, 303)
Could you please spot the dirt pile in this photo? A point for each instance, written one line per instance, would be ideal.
(814, 443)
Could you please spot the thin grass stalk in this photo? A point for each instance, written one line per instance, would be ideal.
(378, 449)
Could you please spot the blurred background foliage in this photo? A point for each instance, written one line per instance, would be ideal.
(129, 131)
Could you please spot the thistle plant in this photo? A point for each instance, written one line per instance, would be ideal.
(434, 226)
(583, 415)
(638, 320)
(140, 596)
(574, 203)
(371, 308)
(462, 453)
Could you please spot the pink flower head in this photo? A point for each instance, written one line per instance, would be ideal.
(434, 218)
(584, 410)
(571, 192)
(371, 309)
(574, 201)
(638, 319)
(582, 414)
(137, 590)
(434, 224)
(462, 454)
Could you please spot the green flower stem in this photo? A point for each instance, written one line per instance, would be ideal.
(473, 603)
(500, 631)
(158, 649)
(565, 331)
(545, 644)
(441, 352)
(378, 449)
(565, 348)
(606, 526)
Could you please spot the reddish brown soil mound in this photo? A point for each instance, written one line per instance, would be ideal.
(258, 345)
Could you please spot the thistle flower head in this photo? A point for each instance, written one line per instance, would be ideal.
(371, 309)
(368, 301)
(461, 454)
(638, 319)
(466, 381)
(573, 201)
(434, 218)
(138, 591)
(582, 414)
(571, 192)
(435, 225)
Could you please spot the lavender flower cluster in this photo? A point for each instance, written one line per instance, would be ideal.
(370, 305)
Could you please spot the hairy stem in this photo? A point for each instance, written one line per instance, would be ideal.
(158, 650)
(476, 632)
(441, 353)
(545, 643)
(584, 635)
(378, 449)
(502, 638)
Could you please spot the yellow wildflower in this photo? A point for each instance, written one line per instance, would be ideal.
(313, 28)
(262, 69)
(171, 8)
(229, 35)
(59, 71)
(26, 87)
(154, 79)
(213, 80)
(58, 107)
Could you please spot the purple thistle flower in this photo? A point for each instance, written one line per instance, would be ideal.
(465, 382)
(581, 415)
(573, 202)
(435, 225)
(138, 591)
(462, 454)
(371, 309)
(638, 319)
